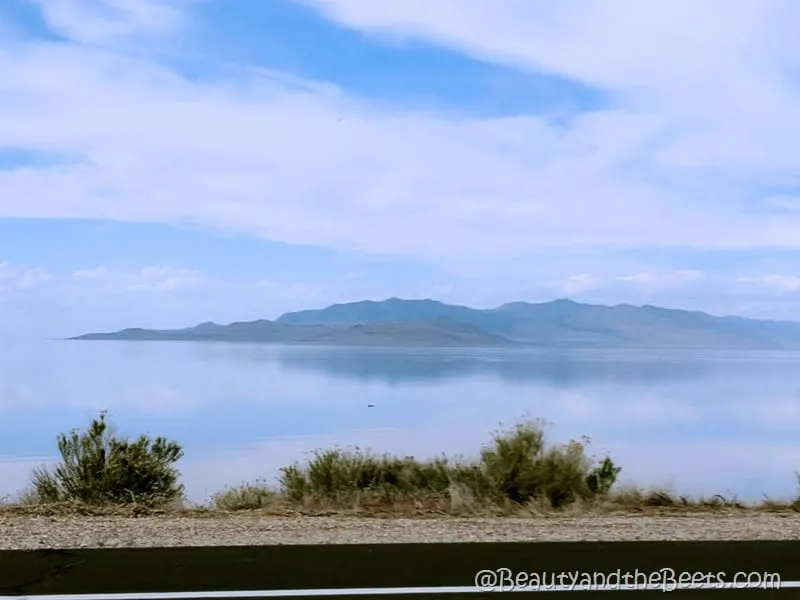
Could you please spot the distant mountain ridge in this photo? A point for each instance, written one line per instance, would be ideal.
(436, 332)
(428, 322)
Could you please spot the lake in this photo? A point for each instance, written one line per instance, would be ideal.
(696, 422)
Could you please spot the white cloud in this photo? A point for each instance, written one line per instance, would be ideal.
(610, 286)
(773, 282)
(583, 282)
(101, 21)
(303, 162)
(149, 279)
(19, 279)
(710, 60)
(155, 296)
(164, 278)
(91, 274)
(711, 85)
(661, 281)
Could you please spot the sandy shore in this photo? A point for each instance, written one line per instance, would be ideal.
(24, 530)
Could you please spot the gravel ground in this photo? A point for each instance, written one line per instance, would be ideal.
(30, 531)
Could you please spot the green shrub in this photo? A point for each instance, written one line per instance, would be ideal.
(522, 468)
(248, 496)
(99, 468)
(293, 483)
(338, 474)
(517, 467)
(603, 477)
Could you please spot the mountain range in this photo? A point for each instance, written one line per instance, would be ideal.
(559, 323)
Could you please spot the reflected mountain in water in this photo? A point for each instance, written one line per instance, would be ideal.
(563, 370)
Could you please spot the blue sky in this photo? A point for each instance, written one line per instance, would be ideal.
(164, 162)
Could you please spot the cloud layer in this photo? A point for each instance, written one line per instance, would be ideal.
(701, 130)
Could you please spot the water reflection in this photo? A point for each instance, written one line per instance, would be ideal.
(699, 420)
(560, 370)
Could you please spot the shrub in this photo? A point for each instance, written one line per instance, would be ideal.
(248, 496)
(522, 468)
(796, 503)
(339, 474)
(603, 477)
(99, 468)
(517, 467)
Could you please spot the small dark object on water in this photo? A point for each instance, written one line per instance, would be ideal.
(370, 406)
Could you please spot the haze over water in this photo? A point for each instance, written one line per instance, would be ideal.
(698, 422)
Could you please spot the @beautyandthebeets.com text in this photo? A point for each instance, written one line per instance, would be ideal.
(665, 579)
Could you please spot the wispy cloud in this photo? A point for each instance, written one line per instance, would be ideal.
(104, 21)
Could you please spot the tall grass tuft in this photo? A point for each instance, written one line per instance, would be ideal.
(97, 467)
(248, 496)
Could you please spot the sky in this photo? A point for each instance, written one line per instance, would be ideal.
(167, 162)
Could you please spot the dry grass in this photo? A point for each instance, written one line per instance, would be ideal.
(629, 502)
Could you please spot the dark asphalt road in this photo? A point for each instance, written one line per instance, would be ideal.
(366, 571)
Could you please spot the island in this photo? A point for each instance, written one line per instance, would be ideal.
(430, 323)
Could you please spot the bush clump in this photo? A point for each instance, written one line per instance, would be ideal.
(248, 496)
(522, 468)
(97, 467)
(517, 467)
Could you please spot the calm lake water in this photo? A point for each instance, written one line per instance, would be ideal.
(698, 422)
